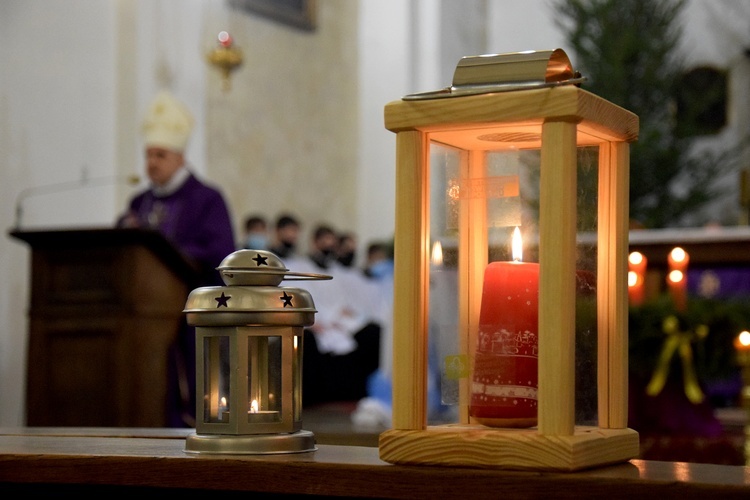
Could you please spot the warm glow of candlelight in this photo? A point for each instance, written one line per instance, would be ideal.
(632, 278)
(437, 254)
(744, 338)
(254, 406)
(517, 245)
(225, 39)
(678, 255)
(675, 276)
(635, 258)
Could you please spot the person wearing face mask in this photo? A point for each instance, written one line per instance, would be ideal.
(346, 249)
(342, 348)
(286, 235)
(194, 217)
(256, 233)
(379, 263)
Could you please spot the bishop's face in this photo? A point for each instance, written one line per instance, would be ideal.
(161, 164)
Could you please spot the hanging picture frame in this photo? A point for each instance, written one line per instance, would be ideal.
(299, 14)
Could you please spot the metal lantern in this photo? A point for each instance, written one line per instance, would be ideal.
(504, 150)
(249, 358)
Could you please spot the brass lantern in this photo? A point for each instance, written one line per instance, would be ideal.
(249, 358)
(502, 151)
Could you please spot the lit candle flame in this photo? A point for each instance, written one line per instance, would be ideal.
(635, 258)
(225, 39)
(632, 278)
(744, 338)
(437, 254)
(676, 276)
(517, 245)
(678, 255)
(254, 406)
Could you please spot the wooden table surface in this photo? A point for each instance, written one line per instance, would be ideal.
(109, 460)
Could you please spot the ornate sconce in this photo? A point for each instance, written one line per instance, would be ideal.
(226, 57)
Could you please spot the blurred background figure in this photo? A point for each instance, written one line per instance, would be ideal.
(379, 263)
(342, 347)
(194, 217)
(286, 237)
(346, 249)
(256, 233)
(188, 212)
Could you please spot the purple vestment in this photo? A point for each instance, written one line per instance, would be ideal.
(194, 218)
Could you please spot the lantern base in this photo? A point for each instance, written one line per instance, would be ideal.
(472, 445)
(251, 444)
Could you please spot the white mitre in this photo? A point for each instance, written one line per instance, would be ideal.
(168, 123)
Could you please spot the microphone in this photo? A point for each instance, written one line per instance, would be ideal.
(84, 182)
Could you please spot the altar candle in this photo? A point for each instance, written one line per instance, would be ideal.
(677, 277)
(636, 277)
(505, 376)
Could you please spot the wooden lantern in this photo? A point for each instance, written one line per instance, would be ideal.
(556, 118)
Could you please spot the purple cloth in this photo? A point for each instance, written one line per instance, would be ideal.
(195, 218)
(724, 282)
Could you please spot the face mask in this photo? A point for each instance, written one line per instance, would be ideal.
(381, 269)
(346, 259)
(256, 242)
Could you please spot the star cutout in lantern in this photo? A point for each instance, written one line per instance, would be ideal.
(287, 300)
(222, 301)
(260, 260)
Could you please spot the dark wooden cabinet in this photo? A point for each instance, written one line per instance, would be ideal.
(105, 306)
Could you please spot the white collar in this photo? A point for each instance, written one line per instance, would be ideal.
(173, 184)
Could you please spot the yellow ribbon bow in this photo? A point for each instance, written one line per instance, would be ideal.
(681, 342)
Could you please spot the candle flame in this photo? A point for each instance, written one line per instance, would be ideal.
(675, 276)
(744, 338)
(254, 406)
(635, 258)
(678, 255)
(632, 278)
(517, 245)
(437, 254)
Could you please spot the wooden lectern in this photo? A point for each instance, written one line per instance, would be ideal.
(105, 306)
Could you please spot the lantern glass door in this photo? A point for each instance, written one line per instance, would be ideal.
(484, 355)
(264, 378)
(216, 381)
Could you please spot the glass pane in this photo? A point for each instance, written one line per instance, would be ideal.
(216, 400)
(488, 194)
(264, 379)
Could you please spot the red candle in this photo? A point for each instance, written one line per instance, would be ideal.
(677, 277)
(505, 381)
(636, 277)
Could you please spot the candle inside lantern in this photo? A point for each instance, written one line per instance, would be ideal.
(636, 278)
(223, 410)
(257, 416)
(505, 379)
(677, 277)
